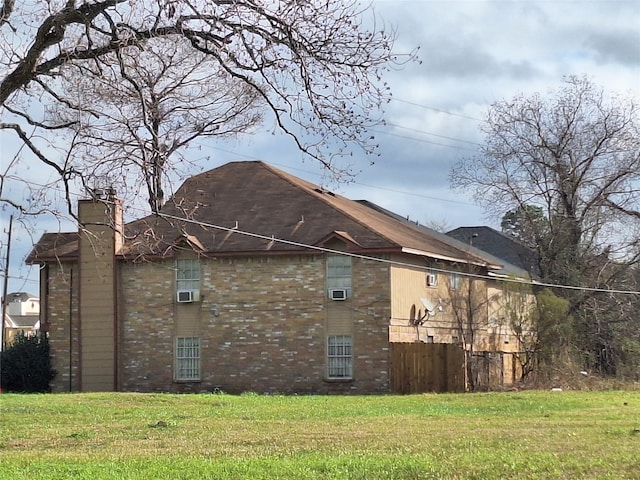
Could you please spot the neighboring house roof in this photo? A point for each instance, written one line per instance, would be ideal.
(20, 297)
(21, 321)
(251, 196)
(53, 247)
(518, 258)
(497, 265)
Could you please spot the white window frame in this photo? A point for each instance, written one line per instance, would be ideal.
(456, 281)
(187, 274)
(339, 271)
(339, 357)
(428, 275)
(187, 358)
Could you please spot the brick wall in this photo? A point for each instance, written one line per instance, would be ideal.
(61, 317)
(261, 321)
(146, 321)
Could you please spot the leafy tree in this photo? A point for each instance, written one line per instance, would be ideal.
(525, 223)
(26, 364)
(543, 330)
(104, 91)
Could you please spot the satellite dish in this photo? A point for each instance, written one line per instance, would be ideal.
(428, 305)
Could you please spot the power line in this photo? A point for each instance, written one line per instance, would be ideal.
(422, 140)
(272, 238)
(395, 99)
(434, 134)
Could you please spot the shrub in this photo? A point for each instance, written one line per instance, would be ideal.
(26, 364)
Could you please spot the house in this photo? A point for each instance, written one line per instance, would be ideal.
(248, 279)
(21, 315)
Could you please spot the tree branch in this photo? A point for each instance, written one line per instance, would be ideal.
(35, 123)
(50, 32)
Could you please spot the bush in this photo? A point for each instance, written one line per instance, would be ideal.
(26, 364)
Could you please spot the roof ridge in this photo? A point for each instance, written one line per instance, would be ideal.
(499, 232)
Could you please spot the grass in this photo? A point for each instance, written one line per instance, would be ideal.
(522, 435)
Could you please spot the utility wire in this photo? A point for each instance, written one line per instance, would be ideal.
(422, 140)
(393, 262)
(434, 134)
(395, 99)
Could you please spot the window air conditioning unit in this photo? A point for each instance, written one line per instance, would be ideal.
(338, 294)
(432, 279)
(188, 296)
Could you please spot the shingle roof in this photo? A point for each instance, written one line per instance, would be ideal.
(21, 321)
(494, 263)
(251, 196)
(54, 246)
(19, 297)
(517, 258)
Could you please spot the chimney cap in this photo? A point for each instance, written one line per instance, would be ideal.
(103, 193)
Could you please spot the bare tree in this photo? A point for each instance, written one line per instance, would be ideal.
(314, 66)
(469, 301)
(576, 157)
(151, 104)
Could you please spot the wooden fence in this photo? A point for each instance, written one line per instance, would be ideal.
(427, 367)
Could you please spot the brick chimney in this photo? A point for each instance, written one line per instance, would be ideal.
(100, 238)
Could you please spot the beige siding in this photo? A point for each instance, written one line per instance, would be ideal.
(97, 299)
(339, 317)
(408, 288)
(188, 319)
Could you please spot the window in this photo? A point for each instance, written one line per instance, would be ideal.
(187, 274)
(432, 279)
(339, 357)
(187, 359)
(339, 274)
(456, 281)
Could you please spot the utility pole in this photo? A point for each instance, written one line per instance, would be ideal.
(4, 296)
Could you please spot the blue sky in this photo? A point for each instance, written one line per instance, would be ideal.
(472, 54)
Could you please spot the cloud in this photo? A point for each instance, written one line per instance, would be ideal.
(621, 47)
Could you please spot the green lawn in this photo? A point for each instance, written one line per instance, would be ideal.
(516, 435)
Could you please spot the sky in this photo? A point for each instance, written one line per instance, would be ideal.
(472, 53)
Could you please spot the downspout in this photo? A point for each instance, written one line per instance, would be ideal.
(118, 243)
(71, 329)
(116, 325)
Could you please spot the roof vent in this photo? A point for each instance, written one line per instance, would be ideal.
(324, 192)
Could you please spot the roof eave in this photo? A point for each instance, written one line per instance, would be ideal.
(50, 258)
(422, 253)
